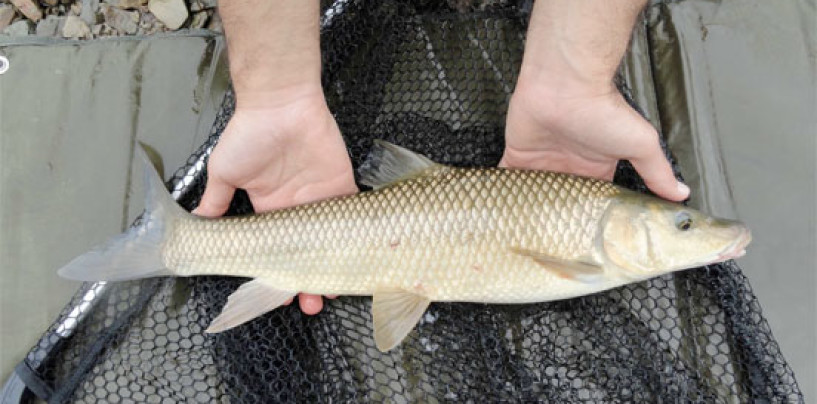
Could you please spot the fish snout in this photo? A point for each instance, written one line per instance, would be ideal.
(738, 248)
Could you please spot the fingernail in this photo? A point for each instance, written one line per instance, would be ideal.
(683, 188)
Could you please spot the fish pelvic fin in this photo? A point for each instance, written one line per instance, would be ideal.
(387, 164)
(135, 253)
(582, 269)
(252, 299)
(395, 313)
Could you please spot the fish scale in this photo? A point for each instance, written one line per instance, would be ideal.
(427, 233)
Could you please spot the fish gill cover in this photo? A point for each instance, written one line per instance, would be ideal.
(434, 77)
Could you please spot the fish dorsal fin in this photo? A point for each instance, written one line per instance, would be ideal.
(584, 269)
(388, 163)
(395, 313)
(249, 301)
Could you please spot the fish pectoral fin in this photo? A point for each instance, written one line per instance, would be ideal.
(388, 163)
(250, 300)
(395, 313)
(583, 269)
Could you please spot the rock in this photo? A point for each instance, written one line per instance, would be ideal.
(55, 11)
(89, 11)
(28, 8)
(215, 23)
(208, 4)
(19, 28)
(75, 28)
(150, 25)
(199, 20)
(173, 13)
(146, 24)
(121, 20)
(49, 26)
(157, 27)
(51, 2)
(127, 4)
(199, 5)
(148, 18)
(103, 30)
(6, 15)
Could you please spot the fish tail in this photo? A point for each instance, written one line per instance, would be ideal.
(137, 253)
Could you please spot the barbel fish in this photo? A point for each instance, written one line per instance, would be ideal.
(426, 233)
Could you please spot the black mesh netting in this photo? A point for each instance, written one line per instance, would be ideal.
(433, 77)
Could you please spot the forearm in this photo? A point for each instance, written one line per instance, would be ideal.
(578, 42)
(273, 47)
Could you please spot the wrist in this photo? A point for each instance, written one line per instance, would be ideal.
(271, 98)
(564, 81)
(298, 115)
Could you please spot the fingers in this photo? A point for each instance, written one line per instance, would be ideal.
(216, 199)
(310, 304)
(657, 174)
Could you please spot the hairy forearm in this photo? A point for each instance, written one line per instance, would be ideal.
(581, 41)
(273, 46)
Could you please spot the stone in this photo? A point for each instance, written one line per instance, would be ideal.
(123, 21)
(89, 12)
(150, 25)
(208, 4)
(97, 30)
(127, 4)
(105, 30)
(6, 15)
(215, 23)
(157, 27)
(28, 8)
(19, 28)
(50, 26)
(75, 28)
(172, 13)
(199, 5)
(55, 11)
(199, 20)
(148, 19)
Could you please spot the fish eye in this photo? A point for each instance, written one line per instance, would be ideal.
(683, 221)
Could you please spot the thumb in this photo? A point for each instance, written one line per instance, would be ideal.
(216, 199)
(657, 174)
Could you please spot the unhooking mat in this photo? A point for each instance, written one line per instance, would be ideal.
(434, 77)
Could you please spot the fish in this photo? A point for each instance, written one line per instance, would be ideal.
(426, 232)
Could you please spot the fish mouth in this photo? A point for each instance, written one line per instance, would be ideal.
(738, 248)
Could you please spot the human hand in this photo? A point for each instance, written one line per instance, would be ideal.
(283, 153)
(584, 130)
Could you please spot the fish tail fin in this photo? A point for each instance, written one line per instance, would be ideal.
(136, 253)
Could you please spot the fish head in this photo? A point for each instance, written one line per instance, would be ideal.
(647, 236)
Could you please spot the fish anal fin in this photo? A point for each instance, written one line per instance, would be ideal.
(395, 313)
(583, 269)
(388, 163)
(250, 300)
